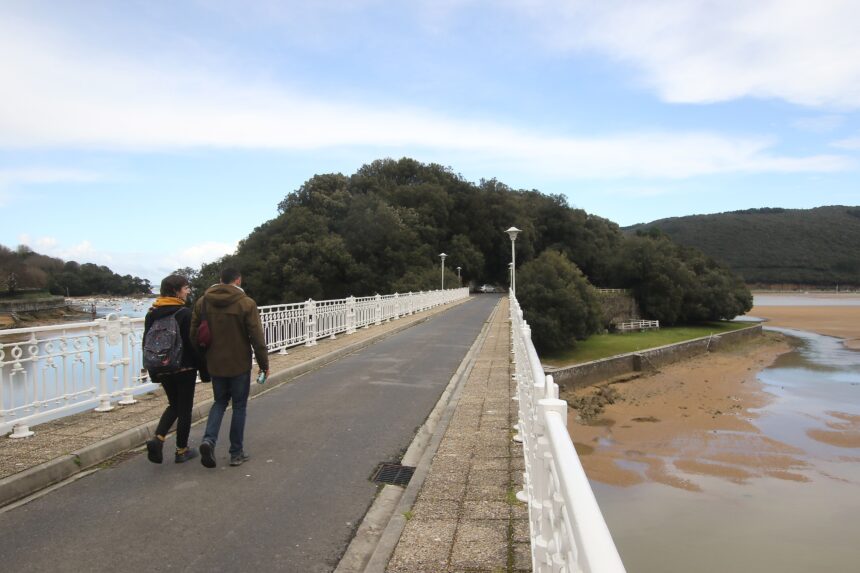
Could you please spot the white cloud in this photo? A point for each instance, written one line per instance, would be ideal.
(148, 265)
(65, 94)
(195, 255)
(849, 143)
(819, 123)
(45, 175)
(83, 252)
(700, 51)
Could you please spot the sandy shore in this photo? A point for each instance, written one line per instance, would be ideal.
(690, 418)
(839, 321)
(696, 417)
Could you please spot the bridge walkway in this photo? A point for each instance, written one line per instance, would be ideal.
(293, 507)
(466, 516)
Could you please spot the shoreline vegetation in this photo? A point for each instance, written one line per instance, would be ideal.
(696, 417)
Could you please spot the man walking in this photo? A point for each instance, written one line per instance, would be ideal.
(235, 327)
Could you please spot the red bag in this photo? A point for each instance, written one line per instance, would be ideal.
(204, 335)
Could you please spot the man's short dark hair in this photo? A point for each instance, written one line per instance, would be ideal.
(171, 285)
(229, 275)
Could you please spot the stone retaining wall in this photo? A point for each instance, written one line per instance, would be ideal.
(617, 307)
(589, 373)
(32, 304)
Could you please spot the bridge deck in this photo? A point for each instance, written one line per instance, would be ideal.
(294, 507)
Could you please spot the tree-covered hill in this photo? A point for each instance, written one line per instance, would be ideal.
(816, 247)
(26, 270)
(381, 230)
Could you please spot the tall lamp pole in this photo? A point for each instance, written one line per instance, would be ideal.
(460, 279)
(512, 233)
(442, 256)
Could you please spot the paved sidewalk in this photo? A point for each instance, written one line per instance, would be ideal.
(466, 516)
(64, 447)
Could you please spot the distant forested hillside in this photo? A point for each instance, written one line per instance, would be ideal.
(816, 247)
(26, 270)
(381, 229)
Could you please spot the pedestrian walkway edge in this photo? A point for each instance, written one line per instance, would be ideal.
(378, 534)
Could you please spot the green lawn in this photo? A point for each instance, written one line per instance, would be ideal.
(604, 345)
(25, 295)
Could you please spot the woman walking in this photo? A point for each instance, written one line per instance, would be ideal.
(179, 383)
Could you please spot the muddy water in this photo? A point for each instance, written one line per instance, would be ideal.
(764, 524)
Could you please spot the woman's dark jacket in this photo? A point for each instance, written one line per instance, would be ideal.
(190, 357)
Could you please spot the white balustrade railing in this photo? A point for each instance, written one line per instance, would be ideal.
(47, 372)
(50, 371)
(568, 532)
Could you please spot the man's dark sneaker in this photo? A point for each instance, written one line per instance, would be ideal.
(239, 459)
(207, 454)
(185, 455)
(153, 450)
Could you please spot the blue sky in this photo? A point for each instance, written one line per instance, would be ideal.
(151, 135)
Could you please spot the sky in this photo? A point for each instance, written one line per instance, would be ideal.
(153, 135)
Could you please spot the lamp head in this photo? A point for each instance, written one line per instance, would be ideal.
(442, 256)
(513, 232)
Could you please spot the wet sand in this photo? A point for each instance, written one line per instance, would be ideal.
(691, 418)
(840, 321)
(696, 417)
(760, 477)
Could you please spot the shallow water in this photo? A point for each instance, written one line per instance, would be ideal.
(766, 524)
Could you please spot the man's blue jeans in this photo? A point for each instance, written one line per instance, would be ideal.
(225, 389)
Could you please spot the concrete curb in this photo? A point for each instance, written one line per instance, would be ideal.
(28, 482)
(377, 535)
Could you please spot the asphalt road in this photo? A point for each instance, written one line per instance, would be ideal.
(294, 506)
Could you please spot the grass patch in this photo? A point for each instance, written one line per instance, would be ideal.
(25, 295)
(605, 345)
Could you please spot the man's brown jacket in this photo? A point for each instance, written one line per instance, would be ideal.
(234, 322)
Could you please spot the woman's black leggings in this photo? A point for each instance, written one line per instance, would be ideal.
(179, 388)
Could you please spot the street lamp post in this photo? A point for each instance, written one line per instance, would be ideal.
(460, 279)
(442, 256)
(512, 233)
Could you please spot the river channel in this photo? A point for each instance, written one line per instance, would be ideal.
(765, 523)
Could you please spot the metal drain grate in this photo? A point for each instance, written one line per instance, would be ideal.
(394, 474)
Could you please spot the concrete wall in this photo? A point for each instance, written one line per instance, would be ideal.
(32, 304)
(589, 373)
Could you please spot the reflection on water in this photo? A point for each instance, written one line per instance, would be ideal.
(766, 524)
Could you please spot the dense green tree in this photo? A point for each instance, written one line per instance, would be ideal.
(816, 247)
(558, 302)
(381, 230)
(33, 271)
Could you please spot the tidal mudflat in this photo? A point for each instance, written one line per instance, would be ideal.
(746, 459)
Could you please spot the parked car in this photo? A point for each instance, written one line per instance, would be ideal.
(487, 288)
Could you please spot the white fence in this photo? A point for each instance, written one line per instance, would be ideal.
(48, 372)
(568, 532)
(631, 325)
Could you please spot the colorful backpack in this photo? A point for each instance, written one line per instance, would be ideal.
(162, 346)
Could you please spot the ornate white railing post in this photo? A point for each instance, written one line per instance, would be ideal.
(310, 323)
(378, 309)
(396, 306)
(125, 332)
(350, 315)
(541, 504)
(102, 365)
